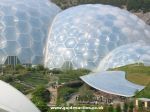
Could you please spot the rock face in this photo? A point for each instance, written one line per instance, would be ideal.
(144, 16)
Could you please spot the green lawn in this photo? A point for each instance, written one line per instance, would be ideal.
(139, 74)
(136, 73)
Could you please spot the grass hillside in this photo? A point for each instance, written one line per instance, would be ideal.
(139, 74)
(136, 73)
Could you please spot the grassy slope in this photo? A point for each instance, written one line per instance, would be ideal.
(136, 73)
(139, 74)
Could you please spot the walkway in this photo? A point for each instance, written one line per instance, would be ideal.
(54, 93)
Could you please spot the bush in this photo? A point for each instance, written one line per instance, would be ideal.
(110, 108)
(74, 84)
(118, 108)
(7, 78)
(40, 103)
(131, 106)
(40, 67)
(42, 93)
(125, 108)
(40, 97)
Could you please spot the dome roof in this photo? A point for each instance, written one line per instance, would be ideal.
(82, 36)
(24, 26)
(126, 54)
(11, 100)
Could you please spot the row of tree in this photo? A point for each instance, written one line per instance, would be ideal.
(130, 4)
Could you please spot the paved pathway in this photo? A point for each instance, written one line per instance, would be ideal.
(54, 93)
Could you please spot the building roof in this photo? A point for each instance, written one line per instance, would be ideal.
(112, 82)
(144, 99)
(11, 100)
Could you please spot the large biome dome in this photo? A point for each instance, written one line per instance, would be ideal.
(81, 36)
(24, 26)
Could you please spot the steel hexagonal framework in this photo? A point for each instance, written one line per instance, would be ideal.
(91, 32)
(24, 26)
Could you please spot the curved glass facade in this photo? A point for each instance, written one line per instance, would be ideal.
(124, 55)
(81, 36)
(24, 26)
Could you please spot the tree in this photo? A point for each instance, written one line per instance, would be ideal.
(118, 108)
(110, 108)
(131, 106)
(125, 108)
(134, 4)
(40, 97)
(40, 67)
(19, 67)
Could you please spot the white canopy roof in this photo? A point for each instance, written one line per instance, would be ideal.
(12, 100)
(113, 82)
(144, 99)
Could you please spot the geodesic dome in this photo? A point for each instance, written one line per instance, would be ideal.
(24, 26)
(126, 54)
(13, 100)
(82, 36)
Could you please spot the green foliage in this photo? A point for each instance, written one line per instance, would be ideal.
(56, 71)
(130, 4)
(7, 78)
(86, 94)
(144, 93)
(146, 5)
(40, 68)
(40, 97)
(74, 84)
(64, 93)
(24, 89)
(118, 108)
(19, 67)
(125, 108)
(40, 104)
(131, 106)
(72, 75)
(140, 108)
(139, 74)
(34, 79)
(134, 4)
(68, 3)
(138, 4)
(42, 93)
(110, 108)
(136, 72)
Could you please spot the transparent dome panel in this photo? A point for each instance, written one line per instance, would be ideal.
(21, 23)
(92, 31)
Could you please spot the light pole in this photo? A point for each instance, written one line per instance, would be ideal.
(139, 60)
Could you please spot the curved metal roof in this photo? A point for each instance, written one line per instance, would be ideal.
(112, 82)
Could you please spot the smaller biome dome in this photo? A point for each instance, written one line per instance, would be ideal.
(124, 55)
